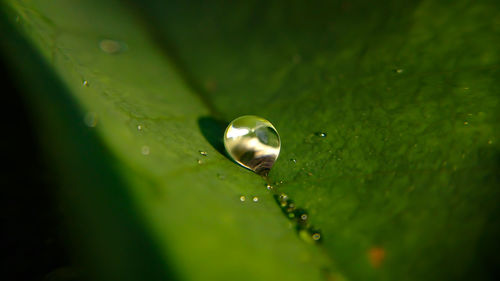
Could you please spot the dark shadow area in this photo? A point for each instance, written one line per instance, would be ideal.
(213, 131)
(109, 239)
(32, 236)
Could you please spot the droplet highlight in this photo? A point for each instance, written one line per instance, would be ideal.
(243, 198)
(253, 142)
(255, 199)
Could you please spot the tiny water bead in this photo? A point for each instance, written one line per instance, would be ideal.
(255, 199)
(252, 142)
(145, 150)
(321, 134)
(204, 153)
(139, 127)
(111, 46)
(85, 83)
(243, 198)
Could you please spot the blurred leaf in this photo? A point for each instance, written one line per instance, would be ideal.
(404, 186)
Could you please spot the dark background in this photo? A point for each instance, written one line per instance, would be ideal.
(32, 236)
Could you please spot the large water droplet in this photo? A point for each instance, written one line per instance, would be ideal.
(252, 142)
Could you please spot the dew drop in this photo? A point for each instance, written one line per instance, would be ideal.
(243, 198)
(252, 142)
(85, 83)
(283, 197)
(139, 127)
(204, 153)
(316, 236)
(145, 150)
(199, 161)
(399, 70)
(293, 161)
(269, 187)
(111, 46)
(321, 134)
(90, 119)
(255, 199)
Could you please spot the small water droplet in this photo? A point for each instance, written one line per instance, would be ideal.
(85, 83)
(145, 150)
(301, 215)
(199, 161)
(243, 198)
(269, 187)
(321, 134)
(252, 142)
(283, 197)
(204, 153)
(255, 199)
(111, 46)
(399, 70)
(293, 160)
(316, 236)
(139, 127)
(90, 119)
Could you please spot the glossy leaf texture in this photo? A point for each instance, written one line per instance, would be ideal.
(387, 113)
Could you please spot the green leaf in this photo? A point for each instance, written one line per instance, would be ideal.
(404, 186)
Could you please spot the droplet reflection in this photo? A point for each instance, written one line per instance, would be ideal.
(252, 142)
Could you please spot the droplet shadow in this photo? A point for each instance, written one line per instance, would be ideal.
(213, 131)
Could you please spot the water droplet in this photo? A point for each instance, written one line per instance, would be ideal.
(399, 70)
(90, 119)
(145, 150)
(269, 187)
(252, 142)
(243, 198)
(204, 153)
(293, 160)
(139, 127)
(255, 199)
(85, 83)
(321, 134)
(199, 161)
(111, 46)
(301, 215)
(316, 236)
(283, 197)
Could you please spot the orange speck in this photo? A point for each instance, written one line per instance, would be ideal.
(376, 255)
